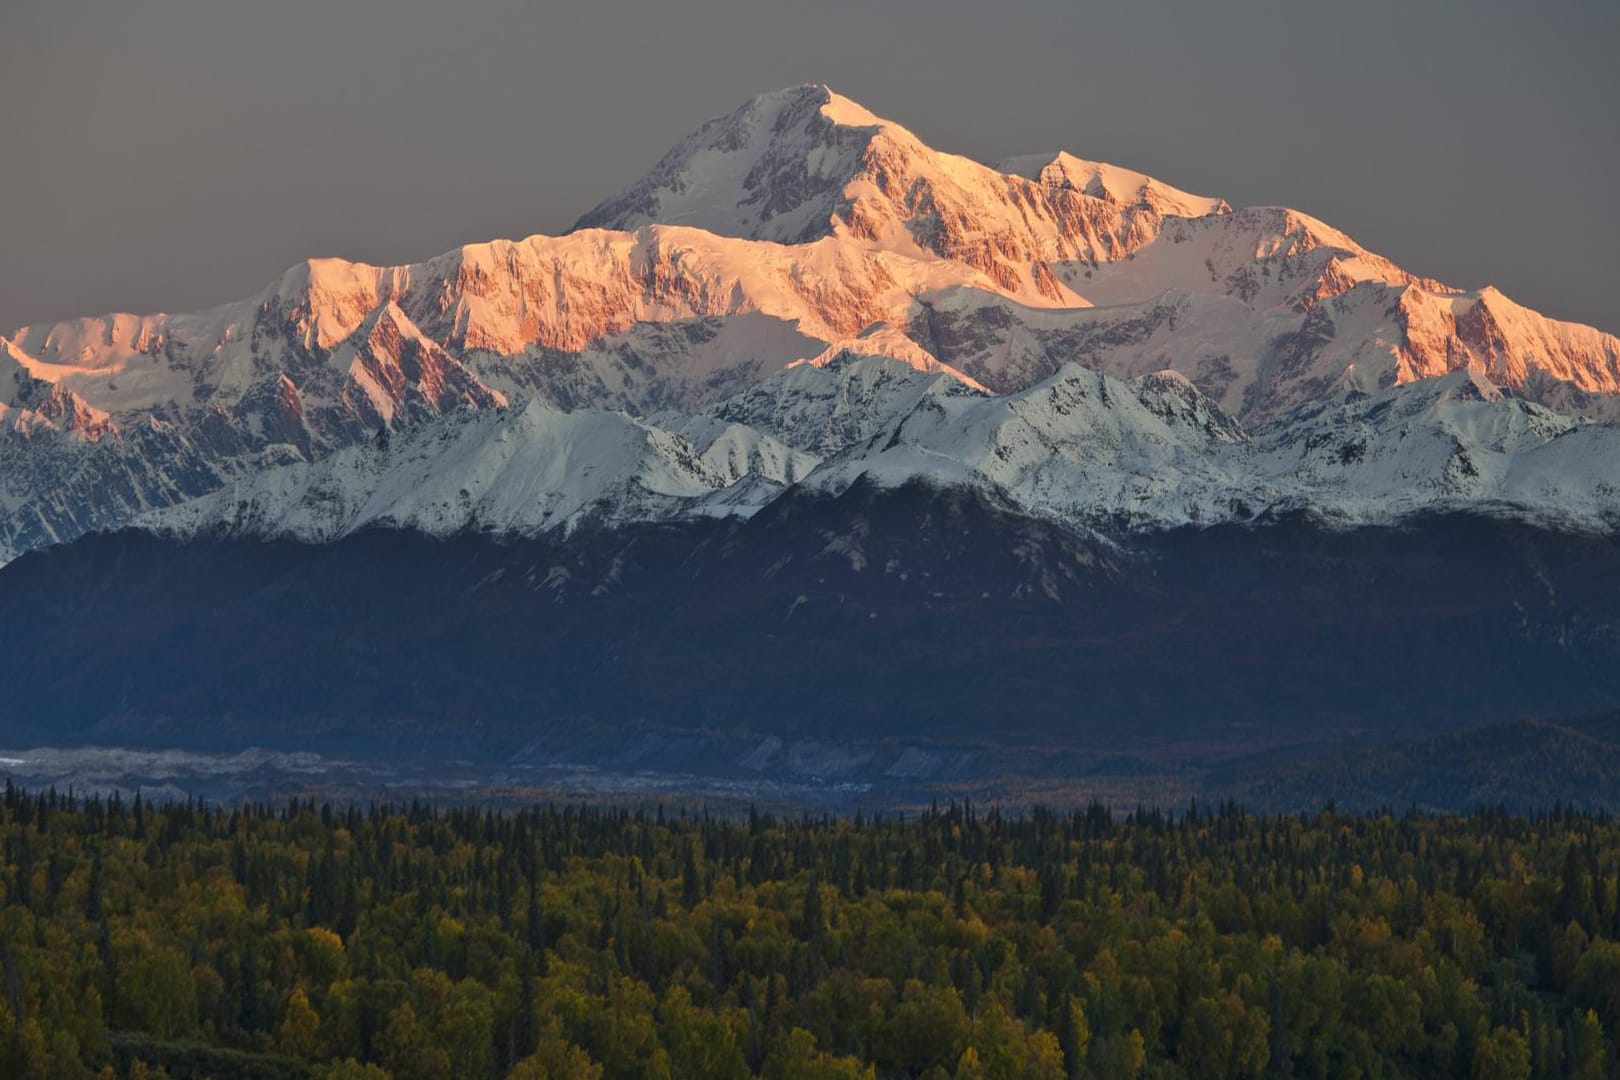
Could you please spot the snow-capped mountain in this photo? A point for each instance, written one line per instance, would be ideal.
(803, 274)
(1080, 448)
(1103, 265)
(804, 164)
(520, 470)
(1154, 453)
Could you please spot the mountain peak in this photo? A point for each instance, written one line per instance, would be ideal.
(831, 104)
(842, 110)
(70, 413)
(773, 169)
(803, 164)
(1101, 180)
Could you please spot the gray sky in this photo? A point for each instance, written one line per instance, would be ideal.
(173, 154)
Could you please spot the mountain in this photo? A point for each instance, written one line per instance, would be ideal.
(1095, 453)
(521, 471)
(1144, 276)
(799, 228)
(333, 351)
(816, 445)
(806, 164)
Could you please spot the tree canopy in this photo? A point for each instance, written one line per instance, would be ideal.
(192, 940)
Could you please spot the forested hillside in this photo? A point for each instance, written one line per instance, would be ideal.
(195, 940)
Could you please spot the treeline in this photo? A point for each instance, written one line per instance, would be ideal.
(194, 940)
(1523, 764)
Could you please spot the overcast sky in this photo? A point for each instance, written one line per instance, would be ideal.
(173, 154)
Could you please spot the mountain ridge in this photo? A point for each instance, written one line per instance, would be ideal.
(1080, 448)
